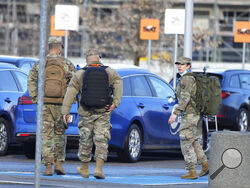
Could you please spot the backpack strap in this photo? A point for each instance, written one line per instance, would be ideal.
(95, 65)
(195, 75)
(189, 74)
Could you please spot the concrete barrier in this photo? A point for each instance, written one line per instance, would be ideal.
(229, 160)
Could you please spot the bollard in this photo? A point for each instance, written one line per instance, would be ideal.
(229, 160)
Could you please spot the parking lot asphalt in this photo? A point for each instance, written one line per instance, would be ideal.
(150, 177)
(153, 170)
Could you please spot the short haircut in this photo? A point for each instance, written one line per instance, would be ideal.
(54, 46)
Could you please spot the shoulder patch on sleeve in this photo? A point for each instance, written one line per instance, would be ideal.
(183, 86)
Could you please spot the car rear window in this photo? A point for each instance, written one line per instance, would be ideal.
(234, 82)
(126, 87)
(22, 78)
(8, 83)
(140, 86)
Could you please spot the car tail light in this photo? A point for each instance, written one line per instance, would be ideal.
(225, 94)
(24, 100)
(23, 134)
(220, 115)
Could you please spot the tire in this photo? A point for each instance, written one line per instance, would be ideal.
(4, 136)
(132, 145)
(242, 123)
(29, 149)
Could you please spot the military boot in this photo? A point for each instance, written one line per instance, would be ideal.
(205, 169)
(83, 170)
(98, 170)
(59, 169)
(192, 174)
(48, 171)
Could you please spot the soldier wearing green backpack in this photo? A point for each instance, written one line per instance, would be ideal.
(190, 128)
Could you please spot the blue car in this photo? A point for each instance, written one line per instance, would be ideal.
(234, 113)
(139, 123)
(24, 63)
(13, 84)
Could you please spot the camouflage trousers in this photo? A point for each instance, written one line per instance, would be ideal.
(191, 130)
(94, 129)
(53, 137)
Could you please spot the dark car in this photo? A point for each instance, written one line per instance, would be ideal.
(13, 84)
(24, 63)
(139, 123)
(235, 109)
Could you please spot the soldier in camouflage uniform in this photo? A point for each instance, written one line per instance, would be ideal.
(190, 129)
(53, 136)
(94, 124)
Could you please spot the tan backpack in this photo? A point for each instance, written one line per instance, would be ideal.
(55, 81)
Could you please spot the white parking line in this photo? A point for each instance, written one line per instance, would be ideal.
(16, 182)
(176, 183)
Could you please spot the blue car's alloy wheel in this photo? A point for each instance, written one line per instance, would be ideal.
(242, 124)
(4, 136)
(132, 145)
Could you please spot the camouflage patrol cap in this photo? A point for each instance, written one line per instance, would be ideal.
(92, 52)
(55, 40)
(183, 60)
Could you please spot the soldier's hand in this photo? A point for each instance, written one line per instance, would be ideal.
(172, 118)
(111, 108)
(34, 100)
(65, 119)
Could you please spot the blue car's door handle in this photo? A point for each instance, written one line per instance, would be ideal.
(141, 105)
(165, 106)
(7, 100)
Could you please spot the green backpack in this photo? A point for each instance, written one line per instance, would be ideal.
(208, 93)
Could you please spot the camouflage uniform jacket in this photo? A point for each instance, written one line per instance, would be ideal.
(75, 88)
(186, 92)
(33, 76)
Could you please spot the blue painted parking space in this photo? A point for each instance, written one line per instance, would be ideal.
(172, 178)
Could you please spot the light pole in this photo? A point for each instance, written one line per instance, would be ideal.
(215, 29)
(188, 34)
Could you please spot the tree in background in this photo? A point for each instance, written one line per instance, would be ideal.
(116, 31)
(113, 28)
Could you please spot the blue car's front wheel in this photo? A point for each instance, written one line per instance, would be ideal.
(132, 145)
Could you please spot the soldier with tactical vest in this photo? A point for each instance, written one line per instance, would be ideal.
(58, 72)
(100, 88)
(190, 128)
